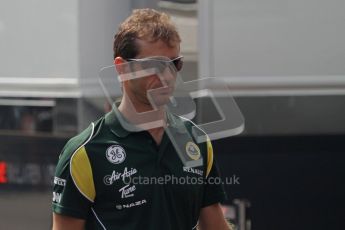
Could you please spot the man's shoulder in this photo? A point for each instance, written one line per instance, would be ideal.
(81, 139)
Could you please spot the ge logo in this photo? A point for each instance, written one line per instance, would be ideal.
(116, 154)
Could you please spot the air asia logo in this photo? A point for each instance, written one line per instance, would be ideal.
(193, 150)
(127, 191)
(110, 179)
(115, 154)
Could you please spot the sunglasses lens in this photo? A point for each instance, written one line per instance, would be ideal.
(178, 63)
(160, 65)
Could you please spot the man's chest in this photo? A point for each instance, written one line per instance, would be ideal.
(129, 176)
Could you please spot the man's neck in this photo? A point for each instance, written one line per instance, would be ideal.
(134, 112)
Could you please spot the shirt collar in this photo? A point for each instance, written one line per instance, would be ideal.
(176, 122)
(112, 121)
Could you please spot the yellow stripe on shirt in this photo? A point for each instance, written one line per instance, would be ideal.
(81, 173)
(209, 156)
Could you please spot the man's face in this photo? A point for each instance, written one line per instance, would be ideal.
(163, 80)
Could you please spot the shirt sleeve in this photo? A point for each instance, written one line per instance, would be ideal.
(73, 191)
(214, 189)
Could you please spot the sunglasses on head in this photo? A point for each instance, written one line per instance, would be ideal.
(160, 63)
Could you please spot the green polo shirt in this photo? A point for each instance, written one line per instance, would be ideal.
(116, 179)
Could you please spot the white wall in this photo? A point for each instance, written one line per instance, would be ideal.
(39, 38)
(48, 48)
(275, 37)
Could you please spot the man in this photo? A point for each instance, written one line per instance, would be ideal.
(94, 183)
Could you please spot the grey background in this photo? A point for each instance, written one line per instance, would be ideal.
(25, 210)
(277, 38)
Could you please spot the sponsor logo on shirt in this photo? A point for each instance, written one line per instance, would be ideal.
(110, 179)
(131, 205)
(127, 191)
(193, 150)
(193, 170)
(56, 197)
(115, 154)
(59, 181)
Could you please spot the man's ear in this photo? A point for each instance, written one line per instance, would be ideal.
(118, 62)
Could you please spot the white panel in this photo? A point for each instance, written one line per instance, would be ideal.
(187, 28)
(39, 38)
(278, 37)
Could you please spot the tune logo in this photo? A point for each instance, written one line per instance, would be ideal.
(3, 178)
